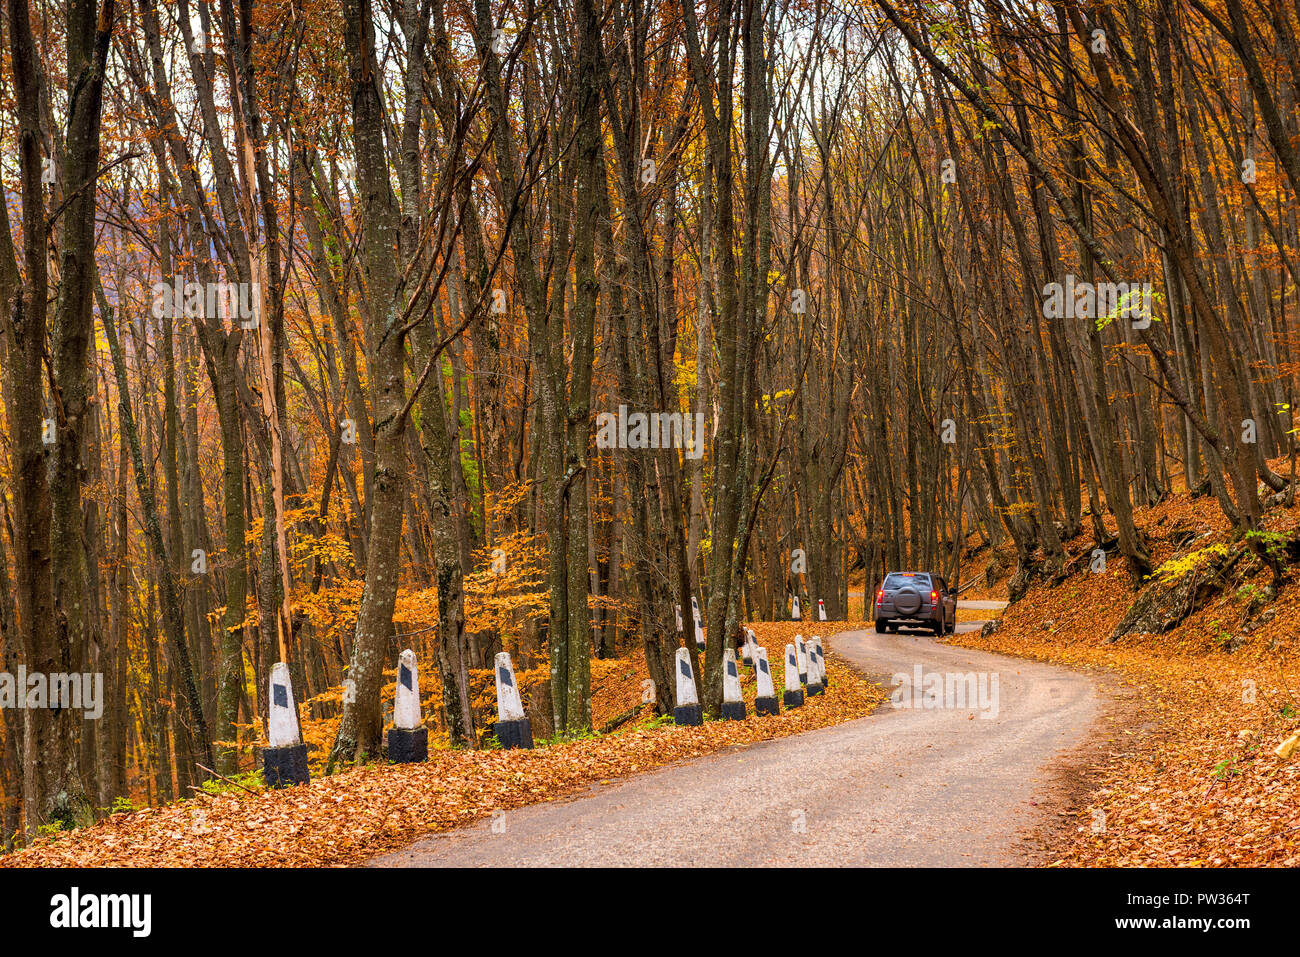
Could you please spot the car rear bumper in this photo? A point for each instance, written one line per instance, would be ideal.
(925, 614)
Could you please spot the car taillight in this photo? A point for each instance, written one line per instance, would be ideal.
(934, 596)
(880, 596)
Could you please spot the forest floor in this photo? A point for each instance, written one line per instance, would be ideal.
(1192, 779)
(352, 816)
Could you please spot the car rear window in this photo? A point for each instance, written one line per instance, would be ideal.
(899, 579)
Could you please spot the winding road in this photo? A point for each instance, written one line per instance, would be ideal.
(944, 783)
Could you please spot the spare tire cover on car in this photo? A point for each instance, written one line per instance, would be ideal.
(907, 600)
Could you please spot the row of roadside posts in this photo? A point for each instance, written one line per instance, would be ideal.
(805, 677)
(698, 623)
(796, 613)
(284, 762)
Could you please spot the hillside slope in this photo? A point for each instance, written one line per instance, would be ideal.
(1193, 779)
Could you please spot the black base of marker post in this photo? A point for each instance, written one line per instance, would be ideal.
(792, 699)
(515, 734)
(689, 715)
(408, 745)
(285, 767)
(733, 711)
(766, 705)
(814, 690)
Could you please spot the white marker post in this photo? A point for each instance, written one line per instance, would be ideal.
(814, 667)
(821, 663)
(794, 612)
(687, 711)
(733, 705)
(793, 689)
(765, 699)
(747, 649)
(699, 626)
(408, 740)
(802, 650)
(284, 763)
(821, 610)
(513, 729)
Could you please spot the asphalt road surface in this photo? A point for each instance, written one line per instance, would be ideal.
(936, 784)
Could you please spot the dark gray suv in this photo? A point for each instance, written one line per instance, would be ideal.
(922, 599)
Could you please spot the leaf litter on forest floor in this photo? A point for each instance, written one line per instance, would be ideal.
(1205, 786)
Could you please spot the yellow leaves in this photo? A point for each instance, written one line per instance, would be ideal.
(506, 587)
(417, 608)
(1176, 568)
(329, 547)
(770, 401)
(331, 607)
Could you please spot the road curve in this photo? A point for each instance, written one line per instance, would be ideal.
(922, 786)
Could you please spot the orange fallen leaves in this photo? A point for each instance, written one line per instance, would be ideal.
(1204, 788)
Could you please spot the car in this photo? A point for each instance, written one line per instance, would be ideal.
(921, 599)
